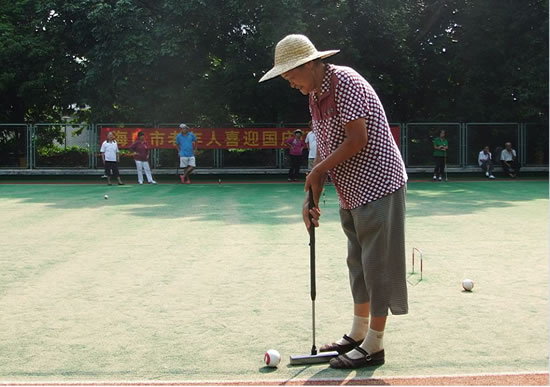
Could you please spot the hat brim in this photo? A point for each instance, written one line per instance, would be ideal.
(283, 68)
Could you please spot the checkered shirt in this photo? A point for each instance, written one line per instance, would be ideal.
(378, 169)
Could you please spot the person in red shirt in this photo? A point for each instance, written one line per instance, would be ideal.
(356, 148)
(141, 157)
(297, 146)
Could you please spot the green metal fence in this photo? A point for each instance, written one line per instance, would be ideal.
(418, 148)
(45, 146)
(15, 151)
(61, 146)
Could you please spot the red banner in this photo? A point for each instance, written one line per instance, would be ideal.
(396, 132)
(211, 138)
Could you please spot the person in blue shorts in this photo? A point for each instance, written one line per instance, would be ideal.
(186, 142)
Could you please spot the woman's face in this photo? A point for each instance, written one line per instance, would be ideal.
(301, 78)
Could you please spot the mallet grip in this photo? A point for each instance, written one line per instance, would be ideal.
(312, 247)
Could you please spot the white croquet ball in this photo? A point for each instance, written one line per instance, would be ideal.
(468, 284)
(106, 197)
(272, 358)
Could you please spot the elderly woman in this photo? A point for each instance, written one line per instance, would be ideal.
(356, 148)
(141, 157)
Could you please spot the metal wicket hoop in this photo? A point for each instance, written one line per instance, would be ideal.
(421, 260)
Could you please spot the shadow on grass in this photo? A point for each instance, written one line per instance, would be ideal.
(342, 377)
(265, 203)
(434, 199)
(267, 370)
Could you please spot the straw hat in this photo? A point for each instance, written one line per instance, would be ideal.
(293, 51)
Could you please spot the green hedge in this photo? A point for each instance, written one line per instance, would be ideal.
(57, 156)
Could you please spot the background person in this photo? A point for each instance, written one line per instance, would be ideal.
(297, 146)
(110, 156)
(355, 146)
(186, 142)
(440, 155)
(141, 157)
(509, 160)
(311, 142)
(485, 162)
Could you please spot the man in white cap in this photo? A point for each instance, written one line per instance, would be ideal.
(355, 147)
(186, 142)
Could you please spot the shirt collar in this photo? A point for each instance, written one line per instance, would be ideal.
(325, 83)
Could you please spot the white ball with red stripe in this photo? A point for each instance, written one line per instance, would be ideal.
(272, 358)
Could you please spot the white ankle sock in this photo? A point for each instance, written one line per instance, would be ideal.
(359, 329)
(374, 342)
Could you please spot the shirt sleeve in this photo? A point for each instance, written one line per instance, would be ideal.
(102, 150)
(351, 100)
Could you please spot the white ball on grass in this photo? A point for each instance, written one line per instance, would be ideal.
(272, 358)
(468, 284)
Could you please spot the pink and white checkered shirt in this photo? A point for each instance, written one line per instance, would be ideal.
(378, 169)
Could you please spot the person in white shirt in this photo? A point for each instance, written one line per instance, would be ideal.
(110, 157)
(509, 160)
(485, 162)
(311, 143)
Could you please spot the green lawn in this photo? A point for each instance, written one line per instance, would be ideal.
(195, 282)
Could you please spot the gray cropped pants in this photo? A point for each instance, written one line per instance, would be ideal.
(376, 253)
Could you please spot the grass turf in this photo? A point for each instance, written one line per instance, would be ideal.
(176, 282)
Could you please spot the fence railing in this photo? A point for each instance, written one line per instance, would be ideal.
(45, 146)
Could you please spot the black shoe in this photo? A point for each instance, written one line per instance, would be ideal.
(367, 360)
(341, 348)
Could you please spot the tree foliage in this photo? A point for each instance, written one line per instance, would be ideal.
(199, 61)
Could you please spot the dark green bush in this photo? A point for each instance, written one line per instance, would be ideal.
(57, 156)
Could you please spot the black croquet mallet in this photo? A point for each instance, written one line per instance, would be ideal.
(314, 357)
